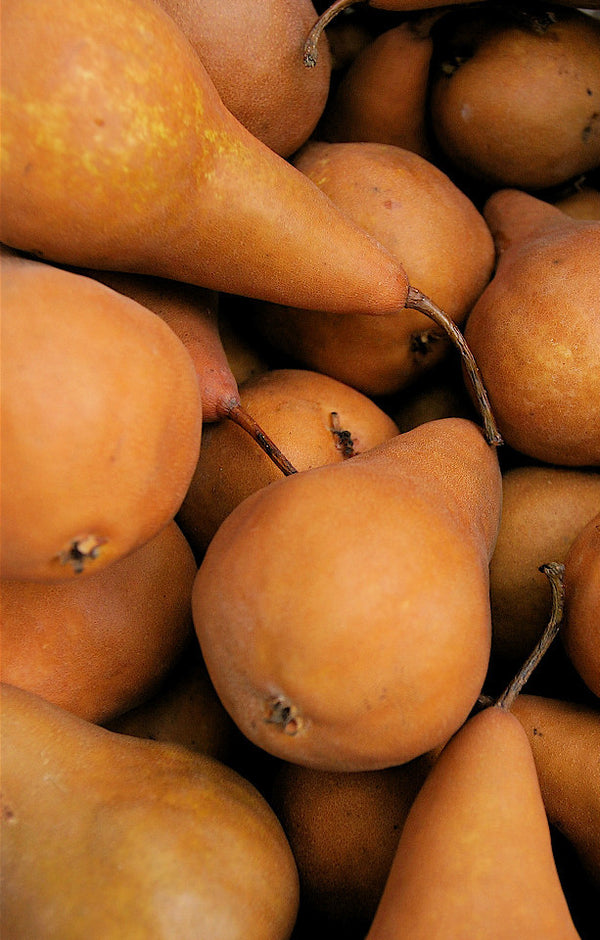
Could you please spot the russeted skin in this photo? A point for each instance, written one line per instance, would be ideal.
(535, 330)
(475, 857)
(581, 630)
(565, 740)
(107, 836)
(118, 153)
(343, 611)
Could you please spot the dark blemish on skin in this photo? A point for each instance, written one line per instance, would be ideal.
(539, 734)
(343, 439)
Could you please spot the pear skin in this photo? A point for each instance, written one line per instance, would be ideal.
(314, 419)
(565, 740)
(101, 645)
(475, 856)
(109, 836)
(543, 509)
(421, 216)
(382, 96)
(484, 124)
(581, 631)
(119, 154)
(343, 612)
(535, 330)
(110, 400)
(253, 54)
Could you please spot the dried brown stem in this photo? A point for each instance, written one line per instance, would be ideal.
(245, 421)
(554, 571)
(419, 301)
(310, 46)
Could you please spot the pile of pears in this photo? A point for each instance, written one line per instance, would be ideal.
(300, 496)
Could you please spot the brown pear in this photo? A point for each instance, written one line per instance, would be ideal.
(314, 419)
(382, 96)
(119, 154)
(343, 829)
(108, 836)
(343, 612)
(535, 330)
(101, 422)
(475, 855)
(565, 740)
(253, 54)
(185, 709)
(484, 121)
(581, 630)
(543, 509)
(584, 203)
(415, 210)
(100, 645)
(193, 314)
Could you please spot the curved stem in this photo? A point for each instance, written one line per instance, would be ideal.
(555, 574)
(419, 301)
(245, 421)
(310, 46)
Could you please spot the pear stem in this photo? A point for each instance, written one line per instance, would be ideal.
(310, 46)
(554, 571)
(245, 421)
(419, 301)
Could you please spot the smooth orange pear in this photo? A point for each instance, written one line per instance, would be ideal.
(343, 612)
(107, 836)
(485, 124)
(119, 154)
(422, 217)
(475, 856)
(382, 96)
(581, 631)
(193, 314)
(100, 645)
(535, 330)
(565, 740)
(253, 53)
(314, 419)
(101, 422)
(543, 509)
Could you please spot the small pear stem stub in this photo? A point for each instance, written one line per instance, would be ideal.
(554, 571)
(416, 300)
(245, 421)
(310, 46)
(343, 439)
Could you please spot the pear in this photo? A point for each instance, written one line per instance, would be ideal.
(343, 612)
(185, 709)
(314, 420)
(108, 836)
(119, 154)
(343, 829)
(475, 855)
(535, 330)
(583, 203)
(543, 509)
(565, 740)
(253, 54)
(382, 96)
(101, 422)
(419, 214)
(486, 125)
(98, 646)
(193, 314)
(581, 631)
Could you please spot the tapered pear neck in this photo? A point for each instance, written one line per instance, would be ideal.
(515, 218)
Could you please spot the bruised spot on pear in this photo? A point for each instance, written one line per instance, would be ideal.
(80, 551)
